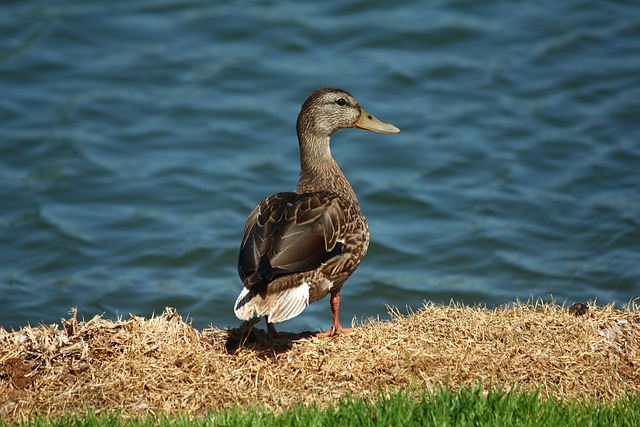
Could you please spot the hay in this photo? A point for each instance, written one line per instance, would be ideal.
(163, 365)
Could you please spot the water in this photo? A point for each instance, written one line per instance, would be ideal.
(136, 137)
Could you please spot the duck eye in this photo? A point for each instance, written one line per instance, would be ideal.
(341, 102)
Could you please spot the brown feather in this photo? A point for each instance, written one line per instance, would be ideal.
(299, 246)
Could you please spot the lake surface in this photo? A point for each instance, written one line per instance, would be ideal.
(136, 137)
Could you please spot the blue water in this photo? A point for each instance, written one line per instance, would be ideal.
(135, 138)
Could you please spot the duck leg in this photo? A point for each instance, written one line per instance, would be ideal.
(271, 329)
(336, 328)
(282, 335)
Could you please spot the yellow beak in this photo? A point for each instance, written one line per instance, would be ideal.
(368, 122)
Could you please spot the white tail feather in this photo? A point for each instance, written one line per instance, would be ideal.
(279, 307)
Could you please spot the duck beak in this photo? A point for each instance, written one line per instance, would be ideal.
(368, 122)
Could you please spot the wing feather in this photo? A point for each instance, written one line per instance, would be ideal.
(288, 233)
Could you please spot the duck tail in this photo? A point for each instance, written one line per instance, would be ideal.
(278, 306)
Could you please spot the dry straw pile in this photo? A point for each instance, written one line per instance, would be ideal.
(162, 364)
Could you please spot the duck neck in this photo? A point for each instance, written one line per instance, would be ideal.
(318, 170)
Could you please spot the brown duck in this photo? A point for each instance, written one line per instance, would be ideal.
(300, 246)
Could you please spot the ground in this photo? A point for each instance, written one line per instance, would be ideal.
(164, 365)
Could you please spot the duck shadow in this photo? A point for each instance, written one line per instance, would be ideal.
(247, 336)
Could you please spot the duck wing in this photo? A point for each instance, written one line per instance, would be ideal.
(289, 233)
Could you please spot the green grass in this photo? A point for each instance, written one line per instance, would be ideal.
(463, 407)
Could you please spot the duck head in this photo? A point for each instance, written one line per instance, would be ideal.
(327, 110)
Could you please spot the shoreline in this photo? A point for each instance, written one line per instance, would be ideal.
(137, 366)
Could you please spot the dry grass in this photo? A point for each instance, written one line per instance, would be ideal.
(164, 365)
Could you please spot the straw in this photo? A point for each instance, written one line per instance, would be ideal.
(163, 365)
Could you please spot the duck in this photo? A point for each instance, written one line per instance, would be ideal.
(300, 246)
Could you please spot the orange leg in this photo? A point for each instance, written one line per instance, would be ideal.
(336, 328)
(271, 329)
(282, 335)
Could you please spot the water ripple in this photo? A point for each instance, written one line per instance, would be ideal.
(138, 136)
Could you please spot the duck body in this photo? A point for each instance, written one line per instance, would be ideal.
(300, 246)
